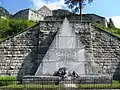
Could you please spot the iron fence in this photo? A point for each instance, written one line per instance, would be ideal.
(54, 85)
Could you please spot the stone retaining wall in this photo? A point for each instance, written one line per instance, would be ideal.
(17, 53)
(22, 54)
(106, 52)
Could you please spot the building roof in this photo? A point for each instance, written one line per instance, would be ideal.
(24, 11)
(44, 7)
(94, 15)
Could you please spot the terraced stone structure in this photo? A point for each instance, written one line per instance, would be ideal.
(21, 54)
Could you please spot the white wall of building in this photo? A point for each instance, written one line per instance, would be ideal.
(33, 15)
(45, 11)
(29, 14)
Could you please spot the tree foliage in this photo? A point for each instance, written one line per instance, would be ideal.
(111, 24)
(9, 27)
(77, 5)
(74, 4)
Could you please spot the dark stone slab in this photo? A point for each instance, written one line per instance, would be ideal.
(86, 79)
(40, 79)
(94, 79)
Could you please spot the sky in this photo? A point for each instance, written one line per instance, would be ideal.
(105, 8)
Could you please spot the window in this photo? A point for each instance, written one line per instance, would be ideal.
(98, 22)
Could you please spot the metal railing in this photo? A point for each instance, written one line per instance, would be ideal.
(55, 85)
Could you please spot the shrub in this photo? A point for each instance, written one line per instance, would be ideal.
(9, 27)
(7, 80)
(114, 31)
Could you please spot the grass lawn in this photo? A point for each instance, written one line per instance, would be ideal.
(54, 87)
(30, 86)
(114, 85)
(99, 86)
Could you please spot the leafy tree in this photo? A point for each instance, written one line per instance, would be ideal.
(77, 5)
(111, 24)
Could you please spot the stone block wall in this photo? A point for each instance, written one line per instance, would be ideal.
(18, 53)
(106, 52)
(22, 54)
(93, 18)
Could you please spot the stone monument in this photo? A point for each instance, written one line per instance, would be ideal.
(67, 51)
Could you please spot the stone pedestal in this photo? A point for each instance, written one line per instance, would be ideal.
(85, 79)
(40, 79)
(94, 79)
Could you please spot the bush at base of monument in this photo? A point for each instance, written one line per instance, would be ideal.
(7, 80)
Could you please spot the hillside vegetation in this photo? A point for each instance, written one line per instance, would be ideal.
(9, 27)
(114, 31)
